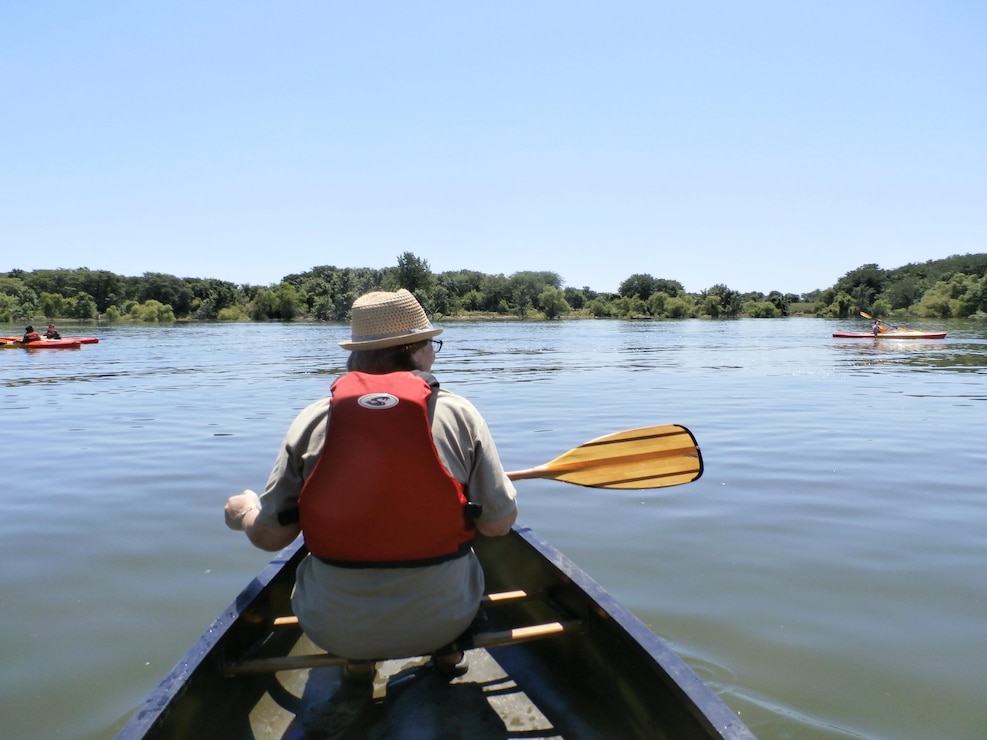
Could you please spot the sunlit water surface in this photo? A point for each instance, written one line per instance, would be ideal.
(826, 575)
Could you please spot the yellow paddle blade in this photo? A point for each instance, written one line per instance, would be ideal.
(649, 457)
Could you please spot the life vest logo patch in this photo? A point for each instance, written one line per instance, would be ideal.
(377, 401)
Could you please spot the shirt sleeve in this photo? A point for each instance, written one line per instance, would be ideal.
(296, 459)
(467, 449)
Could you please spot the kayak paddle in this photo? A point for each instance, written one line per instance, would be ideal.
(896, 328)
(649, 457)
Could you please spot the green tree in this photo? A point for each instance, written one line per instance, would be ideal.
(863, 284)
(6, 307)
(780, 302)
(959, 296)
(679, 307)
(525, 287)
(552, 303)
(881, 308)
(600, 308)
(721, 302)
(81, 306)
(232, 313)
(288, 301)
(415, 276)
(641, 285)
(902, 291)
(152, 312)
(576, 298)
(762, 310)
(461, 282)
(841, 306)
(25, 304)
(644, 286)
(496, 292)
(655, 305)
(444, 301)
(52, 305)
(669, 287)
(105, 288)
(210, 296)
(166, 289)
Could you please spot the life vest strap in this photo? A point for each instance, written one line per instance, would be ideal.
(461, 551)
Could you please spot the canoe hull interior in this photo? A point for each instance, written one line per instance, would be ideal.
(614, 678)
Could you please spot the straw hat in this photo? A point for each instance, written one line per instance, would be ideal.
(382, 319)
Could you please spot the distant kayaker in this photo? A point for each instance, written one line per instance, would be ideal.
(877, 327)
(376, 478)
(30, 335)
(52, 332)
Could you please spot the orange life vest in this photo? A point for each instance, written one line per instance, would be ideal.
(379, 495)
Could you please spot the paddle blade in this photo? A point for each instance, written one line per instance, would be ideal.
(650, 457)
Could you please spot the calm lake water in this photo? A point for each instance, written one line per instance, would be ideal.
(826, 575)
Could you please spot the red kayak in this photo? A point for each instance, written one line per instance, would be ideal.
(72, 341)
(6, 343)
(890, 335)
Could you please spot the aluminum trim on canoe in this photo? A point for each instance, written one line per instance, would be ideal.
(709, 708)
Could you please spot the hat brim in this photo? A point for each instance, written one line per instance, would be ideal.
(352, 346)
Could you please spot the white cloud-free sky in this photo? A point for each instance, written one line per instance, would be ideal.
(764, 145)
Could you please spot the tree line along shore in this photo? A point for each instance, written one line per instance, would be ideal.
(953, 287)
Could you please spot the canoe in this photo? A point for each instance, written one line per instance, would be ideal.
(555, 656)
(13, 343)
(890, 335)
(80, 340)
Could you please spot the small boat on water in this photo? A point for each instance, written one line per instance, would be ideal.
(903, 334)
(555, 657)
(16, 343)
(887, 332)
(61, 342)
(552, 655)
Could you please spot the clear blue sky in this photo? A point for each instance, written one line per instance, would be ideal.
(761, 145)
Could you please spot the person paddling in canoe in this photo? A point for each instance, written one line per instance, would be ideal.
(388, 480)
(30, 335)
(877, 328)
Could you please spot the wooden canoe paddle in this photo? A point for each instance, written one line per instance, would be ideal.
(649, 457)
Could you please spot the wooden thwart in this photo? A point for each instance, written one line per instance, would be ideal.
(479, 640)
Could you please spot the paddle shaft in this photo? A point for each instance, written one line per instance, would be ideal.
(868, 316)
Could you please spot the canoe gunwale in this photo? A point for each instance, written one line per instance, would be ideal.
(699, 699)
(211, 646)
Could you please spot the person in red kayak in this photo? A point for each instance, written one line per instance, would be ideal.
(30, 335)
(388, 480)
(877, 328)
(52, 332)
